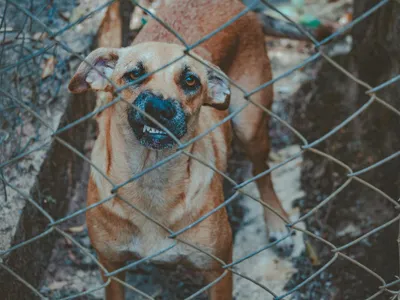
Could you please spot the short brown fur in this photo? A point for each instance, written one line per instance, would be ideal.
(183, 190)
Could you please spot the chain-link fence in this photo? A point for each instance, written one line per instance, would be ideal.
(26, 60)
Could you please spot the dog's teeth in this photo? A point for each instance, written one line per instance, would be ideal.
(151, 130)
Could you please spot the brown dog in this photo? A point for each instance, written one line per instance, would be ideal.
(187, 98)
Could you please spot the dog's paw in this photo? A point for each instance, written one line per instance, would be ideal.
(278, 233)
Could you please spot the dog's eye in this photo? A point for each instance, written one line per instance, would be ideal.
(190, 82)
(134, 74)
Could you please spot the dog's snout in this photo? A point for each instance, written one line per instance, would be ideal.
(160, 109)
(151, 115)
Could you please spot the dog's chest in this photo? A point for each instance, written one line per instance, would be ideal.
(157, 248)
(150, 240)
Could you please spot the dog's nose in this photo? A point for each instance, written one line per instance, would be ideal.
(161, 110)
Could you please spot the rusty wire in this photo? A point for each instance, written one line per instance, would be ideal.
(15, 102)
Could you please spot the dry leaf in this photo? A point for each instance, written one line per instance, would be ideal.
(76, 229)
(312, 254)
(40, 36)
(57, 285)
(72, 257)
(65, 15)
(345, 19)
(48, 68)
(275, 157)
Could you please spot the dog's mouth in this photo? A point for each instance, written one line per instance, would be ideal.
(168, 113)
(152, 137)
(153, 131)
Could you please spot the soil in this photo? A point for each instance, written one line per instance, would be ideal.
(354, 211)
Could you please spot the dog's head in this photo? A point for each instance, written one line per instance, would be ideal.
(172, 96)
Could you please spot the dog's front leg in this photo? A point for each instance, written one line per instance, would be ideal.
(222, 290)
(115, 290)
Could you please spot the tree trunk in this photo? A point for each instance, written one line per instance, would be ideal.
(373, 135)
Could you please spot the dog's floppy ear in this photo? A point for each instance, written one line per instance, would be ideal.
(219, 93)
(87, 77)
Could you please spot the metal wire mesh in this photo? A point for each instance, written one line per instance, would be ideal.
(23, 54)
